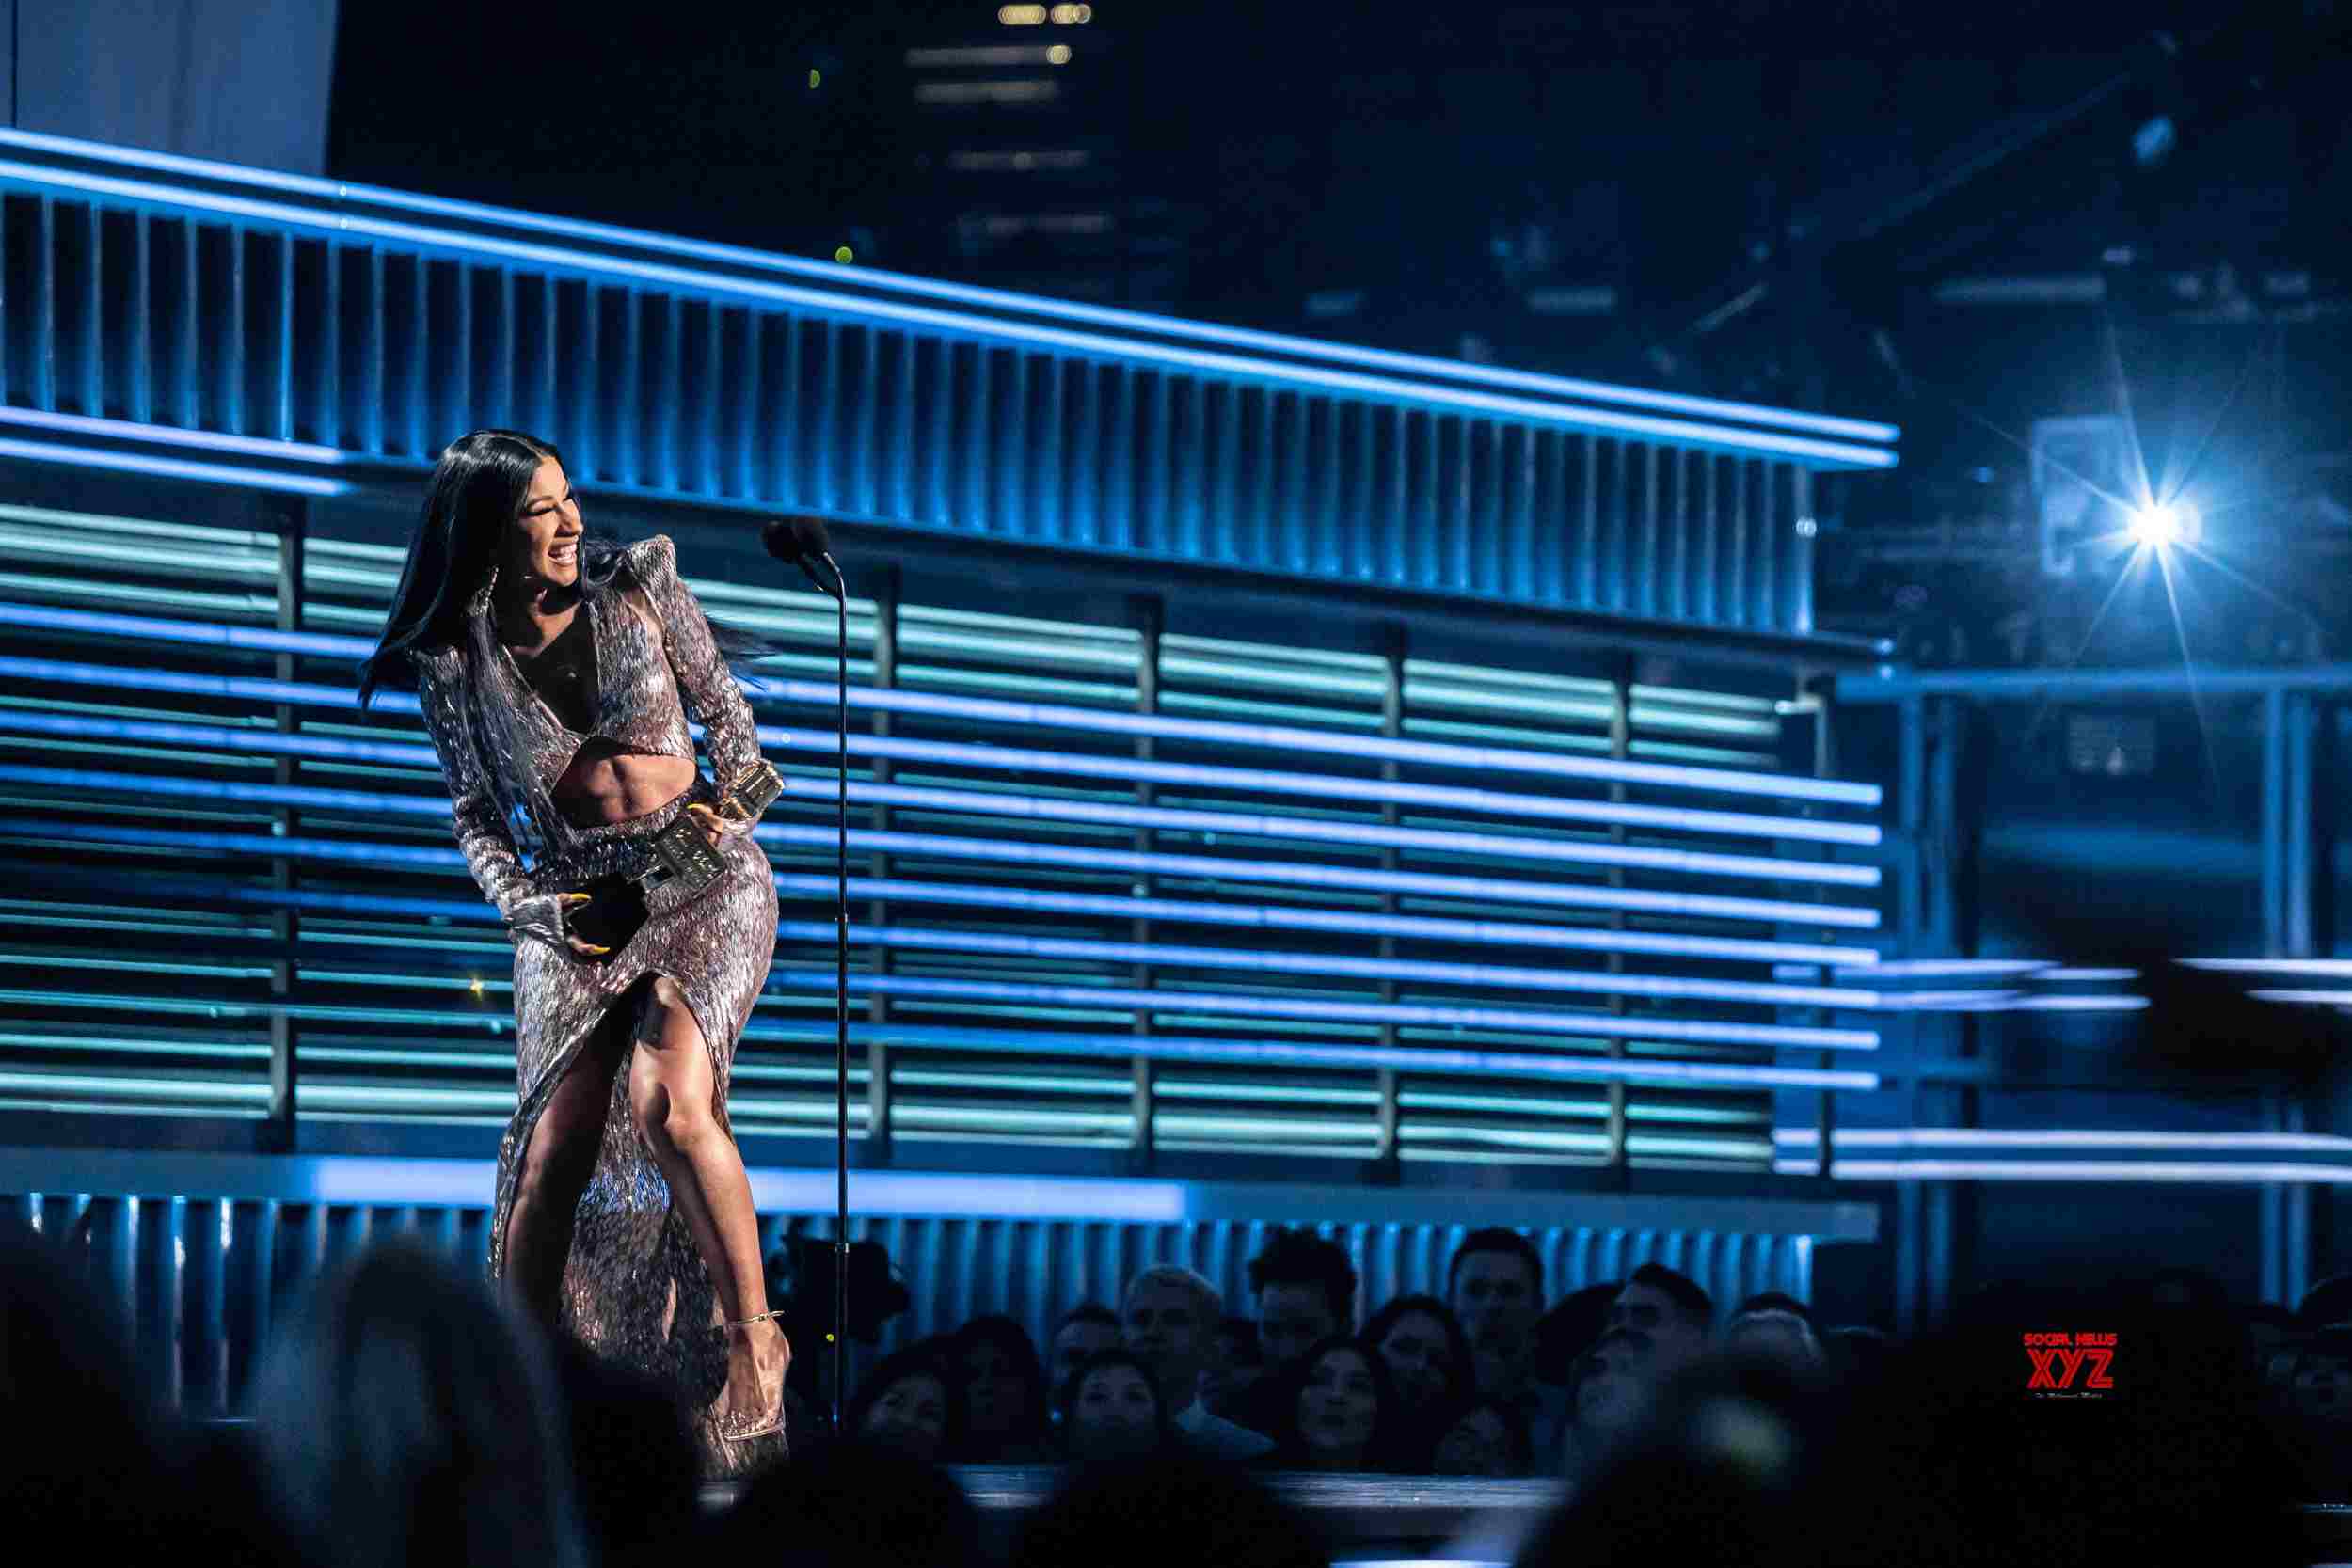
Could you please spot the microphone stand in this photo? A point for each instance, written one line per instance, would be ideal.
(841, 993)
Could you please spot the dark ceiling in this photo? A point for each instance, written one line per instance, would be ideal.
(1961, 218)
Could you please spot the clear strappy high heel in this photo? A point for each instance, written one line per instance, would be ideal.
(742, 1429)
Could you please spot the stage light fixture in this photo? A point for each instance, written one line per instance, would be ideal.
(2164, 524)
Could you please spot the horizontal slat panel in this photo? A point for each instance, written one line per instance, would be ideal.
(374, 325)
(1258, 882)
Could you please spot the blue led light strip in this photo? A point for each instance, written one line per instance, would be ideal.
(1435, 753)
(1603, 982)
(1323, 786)
(171, 435)
(171, 468)
(1696, 905)
(1688, 863)
(898, 890)
(991, 711)
(1134, 321)
(783, 980)
(1167, 955)
(1416, 1059)
(2219, 1173)
(967, 754)
(1052, 1042)
(1700, 906)
(1553, 1021)
(956, 324)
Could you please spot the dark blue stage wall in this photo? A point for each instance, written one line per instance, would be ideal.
(2094, 829)
(1272, 761)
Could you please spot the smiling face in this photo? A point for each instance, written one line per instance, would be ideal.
(911, 1417)
(1338, 1404)
(542, 546)
(1114, 1413)
(1420, 1355)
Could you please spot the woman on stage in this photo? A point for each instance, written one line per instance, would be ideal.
(555, 673)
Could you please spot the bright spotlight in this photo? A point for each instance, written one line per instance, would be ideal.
(2164, 525)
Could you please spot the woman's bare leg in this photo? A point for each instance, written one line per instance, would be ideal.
(556, 1165)
(673, 1088)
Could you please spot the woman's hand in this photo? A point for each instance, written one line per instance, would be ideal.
(585, 949)
(716, 824)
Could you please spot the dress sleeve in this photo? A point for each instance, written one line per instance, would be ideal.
(729, 733)
(482, 833)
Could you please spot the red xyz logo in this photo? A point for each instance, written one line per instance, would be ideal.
(2070, 1363)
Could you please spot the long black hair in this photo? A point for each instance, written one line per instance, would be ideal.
(477, 490)
(1461, 1379)
(924, 1358)
(1066, 1397)
(1013, 1342)
(1382, 1449)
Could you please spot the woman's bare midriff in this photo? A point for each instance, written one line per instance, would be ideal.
(605, 784)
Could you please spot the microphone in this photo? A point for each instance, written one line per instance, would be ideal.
(801, 541)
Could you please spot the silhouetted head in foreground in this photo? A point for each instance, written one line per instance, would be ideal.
(407, 1417)
(1178, 1507)
(851, 1505)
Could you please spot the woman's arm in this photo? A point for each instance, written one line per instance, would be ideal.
(480, 826)
(729, 733)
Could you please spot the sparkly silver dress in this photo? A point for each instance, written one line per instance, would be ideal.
(635, 1288)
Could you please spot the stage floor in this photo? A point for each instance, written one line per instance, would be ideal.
(1387, 1519)
(1365, 1517)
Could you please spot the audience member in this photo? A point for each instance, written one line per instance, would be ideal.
(1613, 1391)
(2192, 1287)
(1720, 1472)
(1774, 1301)
(2325, 1304)
(1569, 1329)
(1304, 1288)
(1338, 1412)
(1946, 1459)
(403, 1417)
(1234, 1369)
(1479, 1436)
(1305, 1291)
(1111, 1408)
(1495, 1284)
(912, 1404)
(1084, 1330)
(1856, 1355)
(1170, 1314)
(1182, 1507)
(1005, 1402)
(87, 1467)
(1427, 1353)
(637, 1470)
(2269, 1328)
(848, 1505)
(1773, 1334)
(1672, 1309)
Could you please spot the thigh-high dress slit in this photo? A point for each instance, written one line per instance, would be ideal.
(635, 1286)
